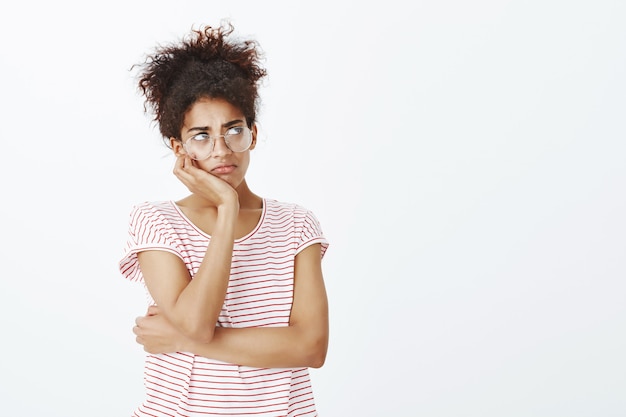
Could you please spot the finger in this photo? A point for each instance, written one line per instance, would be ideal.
(136, 330)
(182, 169)
(179, 164)
(183, 161)
(190, 165)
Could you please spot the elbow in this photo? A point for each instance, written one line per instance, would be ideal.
(198, 331)
(201, 337)
(317, 361)
(316, 350)
(203, 334)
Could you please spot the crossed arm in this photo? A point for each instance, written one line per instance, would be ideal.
(186, 315)
(187, 312)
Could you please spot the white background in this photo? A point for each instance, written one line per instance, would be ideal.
(465, 159)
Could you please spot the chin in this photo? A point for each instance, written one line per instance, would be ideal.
(233, 182)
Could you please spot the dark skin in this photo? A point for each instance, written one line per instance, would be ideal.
(222, 205)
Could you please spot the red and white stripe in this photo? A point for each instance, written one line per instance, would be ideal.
(260, 294)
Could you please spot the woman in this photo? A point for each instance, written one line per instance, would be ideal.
(238, 308)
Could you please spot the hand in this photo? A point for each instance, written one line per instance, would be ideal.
(157, 334)
(203, 183)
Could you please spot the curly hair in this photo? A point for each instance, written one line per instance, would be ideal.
(205, 64)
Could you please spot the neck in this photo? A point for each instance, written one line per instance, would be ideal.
(247, 199)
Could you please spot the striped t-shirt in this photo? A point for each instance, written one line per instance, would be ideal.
(260, 294)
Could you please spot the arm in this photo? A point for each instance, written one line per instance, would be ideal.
(194, 305)
(303, 343)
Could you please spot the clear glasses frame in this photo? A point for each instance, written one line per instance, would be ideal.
(199, 147)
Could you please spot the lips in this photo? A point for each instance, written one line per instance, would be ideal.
(223, 169)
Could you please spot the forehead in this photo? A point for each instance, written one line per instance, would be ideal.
(211, 112)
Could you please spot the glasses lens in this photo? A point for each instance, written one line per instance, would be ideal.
(199, 147)
(238, 139)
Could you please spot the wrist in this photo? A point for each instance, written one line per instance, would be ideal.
(194, 346)
(229, 207)
(185, 344)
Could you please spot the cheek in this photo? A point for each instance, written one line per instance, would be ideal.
(201, 164)
(245, 161)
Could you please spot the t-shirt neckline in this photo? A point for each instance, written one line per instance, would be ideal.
(208, 236)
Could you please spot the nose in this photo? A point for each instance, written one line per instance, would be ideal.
(220, 148)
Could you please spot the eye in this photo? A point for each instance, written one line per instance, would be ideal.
(234, 131)
(201, 137)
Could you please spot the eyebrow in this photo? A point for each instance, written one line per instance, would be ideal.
(206, 128)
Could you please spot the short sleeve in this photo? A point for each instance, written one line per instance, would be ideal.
(310, 232)
(148, 229)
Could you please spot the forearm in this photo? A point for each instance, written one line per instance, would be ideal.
(199, 304)
(303, 343)
(265, 347)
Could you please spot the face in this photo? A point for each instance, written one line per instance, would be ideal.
(216, 117)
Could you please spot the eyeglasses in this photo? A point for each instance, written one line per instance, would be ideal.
(200, 146)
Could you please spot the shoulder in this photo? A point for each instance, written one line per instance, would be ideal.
(295, 209)
(297, 214)
(152, 207)
(149, 211)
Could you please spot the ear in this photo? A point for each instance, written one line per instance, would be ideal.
(177, 146)
(255, 132)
